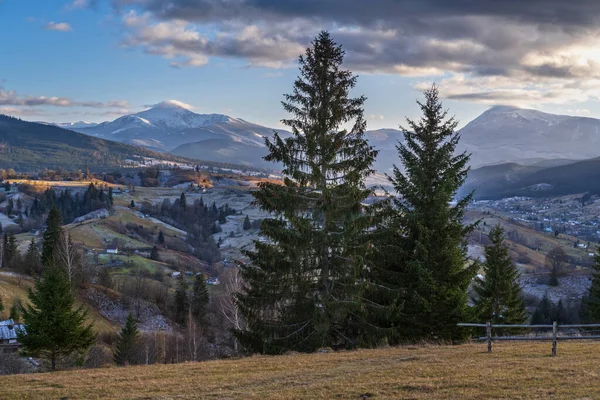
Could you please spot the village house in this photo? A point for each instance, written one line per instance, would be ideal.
(8, 336)
(112, 249)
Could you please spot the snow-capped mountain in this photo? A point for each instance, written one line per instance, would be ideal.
(511, 134)
(170, 127)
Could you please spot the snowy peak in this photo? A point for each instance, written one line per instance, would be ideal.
(172, 114)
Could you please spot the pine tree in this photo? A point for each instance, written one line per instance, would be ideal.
(161, 237)
(11, 251)
(1, 308)
(247, 224)
(499, 297)
(302, 285)
(52, 237)
(182, 201)
(132, 204)
(124, 352)
(154, 254)
(15, 310)
(104, 278)
(32, 258)
(53, 328)
(426, 259)
(199, 298)
(544, 313)
(590, 304)
(181, 300)
(110, 196)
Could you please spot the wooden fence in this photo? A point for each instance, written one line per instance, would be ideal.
(555, 338)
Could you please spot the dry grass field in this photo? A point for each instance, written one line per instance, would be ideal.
(513, 371)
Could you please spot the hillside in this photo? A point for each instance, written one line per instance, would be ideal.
(28, 146)
(540, 180)
(513, 370)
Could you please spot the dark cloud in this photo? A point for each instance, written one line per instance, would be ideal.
(528, 41)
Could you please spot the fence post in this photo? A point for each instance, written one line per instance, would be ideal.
(488, 331)
(554, 332)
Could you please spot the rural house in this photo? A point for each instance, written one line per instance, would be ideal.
(8, 336)
(112, 249)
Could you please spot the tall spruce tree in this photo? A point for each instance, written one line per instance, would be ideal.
(427, 259)
(302, 287)
(54, 329)
(1, 308)
(52, 237)
(499, 296)
(124, 351)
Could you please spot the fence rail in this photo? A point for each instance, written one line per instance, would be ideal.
(554, 338)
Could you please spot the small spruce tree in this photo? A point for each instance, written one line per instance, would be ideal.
(182, 201)
(1, 308)
(590, 303)
(15, 310)
(161, 238)
(132, 204)
(199, 298)
(181, 300)
(499, 297)
(54, 329)
(52, 237)
(247, 224)
(124, 351)
(154, 254)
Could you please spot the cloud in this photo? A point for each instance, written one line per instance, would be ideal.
(81, 4)
(527, 51)
(376, 117)
(18, 112)
(58, 26)
(11, 98)
(171, 103)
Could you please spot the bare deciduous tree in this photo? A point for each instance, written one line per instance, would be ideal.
(232, 282)
(69, 256)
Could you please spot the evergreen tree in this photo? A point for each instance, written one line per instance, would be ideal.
(590, 304)
(53, 328)
(1, 308)
(181, 300)
(199, 298)
(247, 224)
(52, 237)
(423, 253)
(32, 258)
(182, 201)
(544, 313)
(132, 204)
(124, 352)
(303, 287)
(110, 196)
(15, 310)
(104, 278)
(11, 250)
(499, 297)
(154, 254)
(553, 277)
(161, 237)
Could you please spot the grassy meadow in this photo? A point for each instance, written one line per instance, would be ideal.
(512, 371)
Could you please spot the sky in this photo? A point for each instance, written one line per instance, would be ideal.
(95, 60)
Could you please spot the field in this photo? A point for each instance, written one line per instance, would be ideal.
(513, 371)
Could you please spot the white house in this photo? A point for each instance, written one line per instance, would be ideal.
(112, 249)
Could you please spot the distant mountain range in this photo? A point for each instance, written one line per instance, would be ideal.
(501, 134)
(29, 146)
(169, 127)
